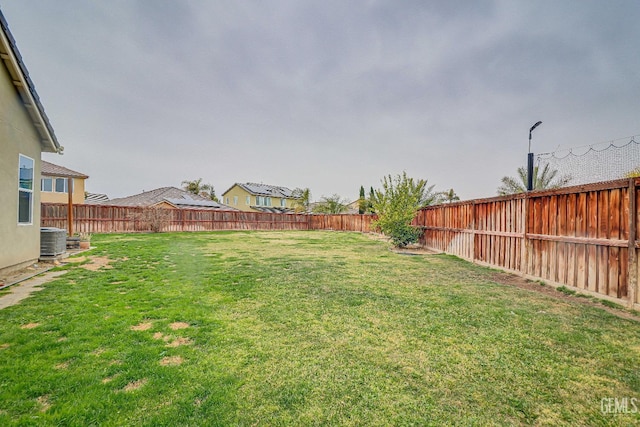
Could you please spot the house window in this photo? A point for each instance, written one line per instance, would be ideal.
(235, 200)
(57, 185)
(283, 203)
(258, 201)
(25, 190)
(227, 201)
(267, 201)
(248, 200)
(61, 185)
(47, 184)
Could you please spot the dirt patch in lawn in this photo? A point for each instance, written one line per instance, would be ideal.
(30, 326)
(97, 262)
(522, 283)
(44, 403)
(180, 341)
(178, 325)
(145, 326)
(171, 361)
(134, 385)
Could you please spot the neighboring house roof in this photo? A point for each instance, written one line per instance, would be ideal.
(96, 199)
(20, 76)
(175, 196)
(49, 169)
(263, 190)
(273, 209)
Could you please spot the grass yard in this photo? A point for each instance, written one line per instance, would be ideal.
(305, 328)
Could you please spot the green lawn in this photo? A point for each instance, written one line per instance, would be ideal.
(305, 328)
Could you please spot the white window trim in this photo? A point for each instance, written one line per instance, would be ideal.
(26, 190)
(53, 180)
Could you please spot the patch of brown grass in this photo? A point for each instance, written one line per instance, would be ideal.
(30, 326)
(144, 326)
(178, 325)
(180, 341)
(60, 366)
(171, 361)
(134, 385)
(44, 403)
(97, 262)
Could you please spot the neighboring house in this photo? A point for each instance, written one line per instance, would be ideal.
(170, 198)
(252, 197)
(25, 132)
(55, 182)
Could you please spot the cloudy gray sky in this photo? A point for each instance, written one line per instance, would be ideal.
(326, 94)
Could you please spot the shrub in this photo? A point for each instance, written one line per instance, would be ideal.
(396, 205)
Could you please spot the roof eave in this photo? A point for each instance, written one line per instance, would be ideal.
(20, 78)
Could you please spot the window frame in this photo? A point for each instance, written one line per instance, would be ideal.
(26, 190)
(42, 185)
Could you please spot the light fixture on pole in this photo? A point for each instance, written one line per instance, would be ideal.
(530, 160)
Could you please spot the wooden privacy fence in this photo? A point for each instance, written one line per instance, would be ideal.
(127, 219)
(584, 237)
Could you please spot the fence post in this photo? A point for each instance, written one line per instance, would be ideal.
(525, 242)
(632, 276)
(473, 231)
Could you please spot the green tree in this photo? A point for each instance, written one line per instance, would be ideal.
(397, 204)
(301, 199)
(362, 202)
(371, 200)
(198, 188)
(331, 205)
(544, 179)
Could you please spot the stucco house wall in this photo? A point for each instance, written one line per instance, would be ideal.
(25, 132)
(19, 243)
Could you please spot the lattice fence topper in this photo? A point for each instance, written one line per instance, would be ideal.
(604, 161)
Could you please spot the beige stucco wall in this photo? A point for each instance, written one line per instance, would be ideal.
(242, 194)
(19, 244)
(78, 193)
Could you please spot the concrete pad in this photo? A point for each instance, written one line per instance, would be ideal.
(22, 290)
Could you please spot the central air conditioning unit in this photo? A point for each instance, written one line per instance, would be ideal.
(53, 241)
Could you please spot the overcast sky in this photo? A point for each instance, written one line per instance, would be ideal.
(328, 95)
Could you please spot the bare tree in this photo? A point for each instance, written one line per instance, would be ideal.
(154, 218)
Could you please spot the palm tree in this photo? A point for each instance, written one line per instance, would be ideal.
(449, 196)
(542, 180)
(430, 197)
(301, 199)
(198, 188)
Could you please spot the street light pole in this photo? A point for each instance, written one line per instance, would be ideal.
(530, 160)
